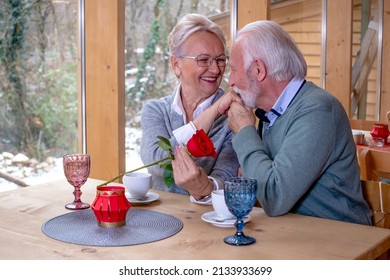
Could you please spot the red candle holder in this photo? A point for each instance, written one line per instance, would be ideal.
(380, 130)
(110, 206)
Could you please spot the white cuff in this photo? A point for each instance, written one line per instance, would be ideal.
(184, 133)
(204, 200)
(207, 198)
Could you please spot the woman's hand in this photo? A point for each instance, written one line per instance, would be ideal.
(220, 107)
(189, 175)
(223, 104)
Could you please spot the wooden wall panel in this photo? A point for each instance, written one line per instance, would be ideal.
(339, 50)
(105, 98)
(302, 20)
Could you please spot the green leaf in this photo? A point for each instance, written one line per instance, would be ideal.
(164, 144)
(169, 180)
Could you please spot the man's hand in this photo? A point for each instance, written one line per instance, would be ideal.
(240, 116)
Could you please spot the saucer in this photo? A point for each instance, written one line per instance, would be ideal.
(150, 197)
(209, 217)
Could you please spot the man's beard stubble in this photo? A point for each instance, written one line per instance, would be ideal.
(249, 96)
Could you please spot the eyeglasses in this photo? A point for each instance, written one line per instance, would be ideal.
(207, 61)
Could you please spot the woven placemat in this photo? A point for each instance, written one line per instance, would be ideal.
(142, 226)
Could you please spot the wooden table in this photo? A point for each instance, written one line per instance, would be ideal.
(385, 148)
(23, 211)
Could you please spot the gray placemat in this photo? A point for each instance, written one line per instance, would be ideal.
(142, 226)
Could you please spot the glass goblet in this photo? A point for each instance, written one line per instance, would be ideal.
(76, 170)
(240, 197)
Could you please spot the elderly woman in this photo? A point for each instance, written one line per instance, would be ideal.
(198, 59)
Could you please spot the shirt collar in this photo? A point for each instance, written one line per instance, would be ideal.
(284, 100)
(177, 104)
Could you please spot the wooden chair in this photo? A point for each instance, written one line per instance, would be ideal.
(377, 195)
(374, 165)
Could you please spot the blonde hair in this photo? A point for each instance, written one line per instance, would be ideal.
(188, 25)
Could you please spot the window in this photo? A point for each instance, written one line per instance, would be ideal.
(38, 87)
(147, 70)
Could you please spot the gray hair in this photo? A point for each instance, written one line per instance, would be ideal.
(188, 25)
(275, 47)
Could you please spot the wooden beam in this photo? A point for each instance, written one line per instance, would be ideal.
(293, 11)
(105, 92)
(223, 20)
(252, 10)
(363, 64)
(339, 50)
(385, 91)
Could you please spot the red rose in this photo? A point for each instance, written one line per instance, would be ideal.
(200, 145)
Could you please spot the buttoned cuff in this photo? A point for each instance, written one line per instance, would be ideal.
(184, 133)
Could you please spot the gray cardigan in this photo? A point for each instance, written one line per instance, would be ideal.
(159, 119)
(306, 162)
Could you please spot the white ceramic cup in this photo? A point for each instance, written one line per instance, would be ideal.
(219, 205)
(137, 184)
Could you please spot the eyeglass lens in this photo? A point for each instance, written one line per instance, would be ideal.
(206, 61)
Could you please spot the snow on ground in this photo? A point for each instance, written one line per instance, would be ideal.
(133, 160)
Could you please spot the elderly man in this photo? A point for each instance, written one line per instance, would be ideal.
(304, 156)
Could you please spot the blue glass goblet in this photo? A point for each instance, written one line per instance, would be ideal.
(240, 197)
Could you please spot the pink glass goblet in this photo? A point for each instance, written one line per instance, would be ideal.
(76, 170)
